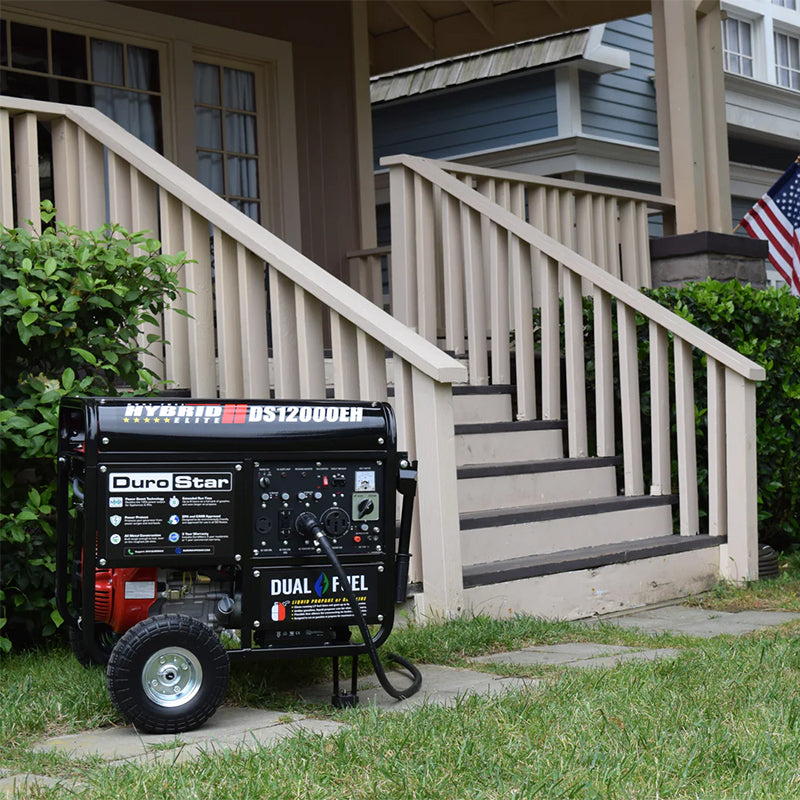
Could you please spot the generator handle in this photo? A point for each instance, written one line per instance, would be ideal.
(407, 487)
(62, 544)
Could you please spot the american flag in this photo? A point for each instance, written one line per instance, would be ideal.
(776, 218)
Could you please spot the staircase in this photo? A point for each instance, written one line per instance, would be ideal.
(546, 534)
(533, 496)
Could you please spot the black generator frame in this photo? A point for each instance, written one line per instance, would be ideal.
(92, 436)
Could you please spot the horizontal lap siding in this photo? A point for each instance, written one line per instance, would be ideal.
(477, 117)
(622, 105)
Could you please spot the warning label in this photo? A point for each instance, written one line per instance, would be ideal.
(308, 596)
(182, 512)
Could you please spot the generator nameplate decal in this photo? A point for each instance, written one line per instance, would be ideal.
(314, 595)
(185, 512)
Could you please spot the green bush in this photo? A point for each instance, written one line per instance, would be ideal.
(74, 307)
(763, 325)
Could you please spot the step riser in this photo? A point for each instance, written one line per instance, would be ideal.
(505, 446)
(483, 545)
(471, 408)
(584, 593)
(528, 489)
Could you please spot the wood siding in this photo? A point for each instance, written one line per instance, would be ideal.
(483, 116)
(622, 105)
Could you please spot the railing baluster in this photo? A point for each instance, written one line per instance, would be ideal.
(253, 308)
(6, 166)
(26, 155)
(687, 448)
(642, 246)
(120, 208)
(66, 184)
(200, 304)
(630, 405)
(404, 250)
(661, 481)
(371, 367)
(283, 318)
(630, 251)
(176, 326)
(717, 478)
(575, 366)
(343, 349)
(310, 352)
(91, 173)
(453, 266)
(425, 242)
(604, 373)
(229, 331)
(473, 283)
(522, 311)
(551, 323)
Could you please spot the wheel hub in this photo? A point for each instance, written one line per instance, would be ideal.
(172, 676)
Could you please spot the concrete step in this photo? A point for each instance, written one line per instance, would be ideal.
(551, 527)
(516, 485)
(472, 404)
(576, 584)
(495, 442)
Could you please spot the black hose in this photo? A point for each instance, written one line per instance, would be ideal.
(307, 523)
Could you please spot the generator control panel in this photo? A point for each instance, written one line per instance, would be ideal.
(345, 496)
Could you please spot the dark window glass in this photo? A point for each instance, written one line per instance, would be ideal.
(143, 68)
(206, 84)
(3, 43)
(69, 55)
(28, 47)
(107, 66)
(32, 87)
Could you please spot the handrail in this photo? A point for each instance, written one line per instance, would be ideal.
(339, 297)
(654, 201)
(583, 267)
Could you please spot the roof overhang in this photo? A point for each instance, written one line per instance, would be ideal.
(404, 33)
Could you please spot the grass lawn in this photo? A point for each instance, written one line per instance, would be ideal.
(721, 720)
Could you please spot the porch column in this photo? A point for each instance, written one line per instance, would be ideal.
(690, 98)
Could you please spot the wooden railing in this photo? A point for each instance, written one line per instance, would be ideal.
(236, 343)
(367, 269)
(477, 268)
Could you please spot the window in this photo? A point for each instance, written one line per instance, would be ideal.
(225, 134)
(790, 4)
(737, 47)
(119, 79)
(787, 60)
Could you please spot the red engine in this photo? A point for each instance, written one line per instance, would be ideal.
(123, 596)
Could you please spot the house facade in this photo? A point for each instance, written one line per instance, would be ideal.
(249, 124)
(582, 106)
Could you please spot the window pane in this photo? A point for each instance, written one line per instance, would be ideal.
(28, 47)
(240, 133)
(239, 90)
(107, 62)
(3, 44)
(206, 84)
(744, 39)
(69, 55)
(251, 209)
(208, 127)
(209, 171)
(143, 68)
(138, 113)
(242, 177)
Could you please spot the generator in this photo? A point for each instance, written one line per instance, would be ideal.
(195, 533)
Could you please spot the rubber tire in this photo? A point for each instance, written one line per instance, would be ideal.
(129, 659)
(103, 636)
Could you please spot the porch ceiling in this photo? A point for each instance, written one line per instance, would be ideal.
(408, 32)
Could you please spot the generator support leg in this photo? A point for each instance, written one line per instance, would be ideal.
(345, 699)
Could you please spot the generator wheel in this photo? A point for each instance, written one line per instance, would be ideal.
(104, 637)
(168, 674)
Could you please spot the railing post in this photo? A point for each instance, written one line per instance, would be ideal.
(739, 558)
(438, 498)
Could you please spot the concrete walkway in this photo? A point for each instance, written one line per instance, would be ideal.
(247, 727)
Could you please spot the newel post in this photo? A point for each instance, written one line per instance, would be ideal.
(739, 558)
